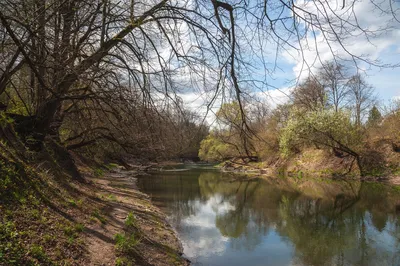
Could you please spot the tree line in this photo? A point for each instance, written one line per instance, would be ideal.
(89, 76)
(108, 74)
(334, 110)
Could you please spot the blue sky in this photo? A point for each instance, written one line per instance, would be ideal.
(380, 47)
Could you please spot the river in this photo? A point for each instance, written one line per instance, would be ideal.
(225, 219)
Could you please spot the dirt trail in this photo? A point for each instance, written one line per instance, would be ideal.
(158, 244)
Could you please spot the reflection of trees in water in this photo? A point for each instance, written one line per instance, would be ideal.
(238, 222)
(330, 230)
(316, 231)
(379, 220)
(175, 192)
(328, 223)
(326, 232)
(245, 222)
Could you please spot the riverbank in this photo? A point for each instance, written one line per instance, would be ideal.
(316, 163)
(130, 213)
(50, 217)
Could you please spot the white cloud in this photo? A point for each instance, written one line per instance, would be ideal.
(207, 239)
(373, 46)
(197, 102)
(196, 85)
(275, 97)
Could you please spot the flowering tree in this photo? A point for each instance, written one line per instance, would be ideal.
(326, 128)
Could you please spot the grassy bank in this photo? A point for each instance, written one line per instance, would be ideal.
(48, 216)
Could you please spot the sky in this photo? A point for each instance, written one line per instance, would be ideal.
(381, 47)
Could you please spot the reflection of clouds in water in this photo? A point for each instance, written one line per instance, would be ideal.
(205, 247)
(220, 205)
(225, 223)
(381, 241)
(199, 235)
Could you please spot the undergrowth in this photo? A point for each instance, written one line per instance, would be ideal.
(126, 242)
(31, 220)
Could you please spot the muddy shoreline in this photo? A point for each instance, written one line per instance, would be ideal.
(276, 171)
(158, 243)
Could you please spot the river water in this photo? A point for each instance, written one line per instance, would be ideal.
(224, 219)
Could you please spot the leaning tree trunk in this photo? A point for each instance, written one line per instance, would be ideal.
(360, 166)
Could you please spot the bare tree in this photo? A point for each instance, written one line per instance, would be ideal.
(334, 78)
(310, 95)
(77, 50)
(361, 97)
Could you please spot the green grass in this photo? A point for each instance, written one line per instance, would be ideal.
(72, 232)
(98, 172)
(300, 174)
(376, 172)
(38, 253)
(48, 238)
(130, 220)
(112, 197)
(96, 214)
(281, 173)
(79, 227)
(123, 261)
(396, 188)
(35, 214)
(11, 248)
(111, 166)
(72, 202)
(125, 243)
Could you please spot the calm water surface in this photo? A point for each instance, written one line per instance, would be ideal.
(223, 219)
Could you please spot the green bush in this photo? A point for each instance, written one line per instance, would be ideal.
(324, 127)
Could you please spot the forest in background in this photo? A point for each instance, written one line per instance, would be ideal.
(334, 112)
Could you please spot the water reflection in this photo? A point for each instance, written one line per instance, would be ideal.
(225, 220)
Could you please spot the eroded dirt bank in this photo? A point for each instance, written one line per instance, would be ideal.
(129, 213)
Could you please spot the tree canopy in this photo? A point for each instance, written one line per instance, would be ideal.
(57, 55)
